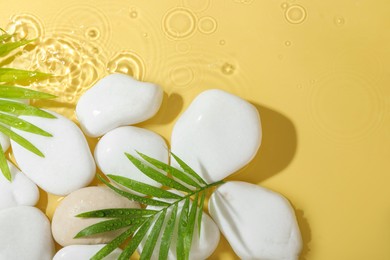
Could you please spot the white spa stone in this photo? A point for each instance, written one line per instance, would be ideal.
(110, 151)
(117, 100)
(217, 135)
(202, 246)
(84, 252)
(4, 141)
(25, 234)
(21, 191)
(258, 223)
(65, 225)
(68, 164)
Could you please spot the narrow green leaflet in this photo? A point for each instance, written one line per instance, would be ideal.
(115, 243)
(183, 223)
(188, 169)
(150, 243)
(22, 93)
(5, 37)
(117, 213)
(14, 75)
(169, 169)
(200, 211)
(6, 48)
(133, 197)
(133, 244)
(187, 237)
(4, 165)
(23, 125)
(143, 188)
(17, 108)
(156, 175)
(167, 235)
(21, 140)
(108, 225)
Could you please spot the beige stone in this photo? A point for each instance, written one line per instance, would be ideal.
(65, 225)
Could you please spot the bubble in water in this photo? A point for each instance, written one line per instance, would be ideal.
(182, 76)
(284, 5)
(222, 42)
(287, 43)
(133, 13)
(339, 20)
(179, 23)
(227, 69)
(145, 35)
(127, 63)
(295, 14)
(207, 25)
(92, 33)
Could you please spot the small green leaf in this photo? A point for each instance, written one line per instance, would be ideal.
(183, 224)
(143, 188)
(6, 48)
(17, 108)
(150, 243)
(23, 125)
(156, 175)
(167, 235)
(117, 213)
(13, 75)
(134, 242)
(200, 211)
(22, 93)
(108, 225)
(190, 227)
(115, 243)
(20, 140)
(169, 169)
(188, 169)
(133, 197)
(4, 165)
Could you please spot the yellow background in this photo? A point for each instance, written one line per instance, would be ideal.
(318, 71)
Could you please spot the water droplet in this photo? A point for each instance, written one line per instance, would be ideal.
(287, 43)
(207, 25)
(145, 35)
(133, 13)
(295, 14)
(92, 33)
(227, 69)
(179, 23)
(284, 5)
(127, 63)
(222, 42)
(339, 21)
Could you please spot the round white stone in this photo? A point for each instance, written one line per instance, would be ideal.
(110, 151)
(65, 225)
(202, 246)
(258, 223)
(83, 252)
(217, 135)
(68, 164)
(117, 100)
(21, 191)
(25, 234)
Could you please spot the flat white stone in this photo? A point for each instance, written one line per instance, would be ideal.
(117, 100)
(202, 246)
(110, 151)
(25, 234)
(4, 141)
(84, 252)
(68, 164)
(217, 135)
(65, 225)
(258, 223)
(21, 191)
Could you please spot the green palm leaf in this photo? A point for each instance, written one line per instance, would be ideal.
(12, 75)
(153, 220)
(108, 225)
